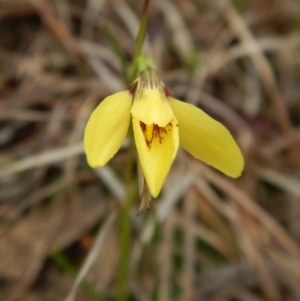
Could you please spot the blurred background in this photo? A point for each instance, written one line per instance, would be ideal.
(207, 237)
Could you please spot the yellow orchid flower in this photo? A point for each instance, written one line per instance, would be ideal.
(160, 123)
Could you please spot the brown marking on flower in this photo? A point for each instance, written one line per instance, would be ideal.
(167, 92)
(133, 87)
(143, 126)
(154, 131)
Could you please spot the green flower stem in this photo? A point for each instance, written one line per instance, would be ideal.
(123, 290)
(125, 227)
(140, 40)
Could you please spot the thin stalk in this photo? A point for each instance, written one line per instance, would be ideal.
(125, 231)
(123, 290)
(125, 227)
(139, 42)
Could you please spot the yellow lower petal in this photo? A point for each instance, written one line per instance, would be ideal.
(107, 128)
(157, 147)
(207, 139)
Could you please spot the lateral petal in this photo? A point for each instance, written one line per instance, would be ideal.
(156, 152)
(207, 139)
(107, 128)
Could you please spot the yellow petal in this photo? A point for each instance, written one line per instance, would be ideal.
(107, 128)
(151, 104)
(156, 152)
(207, 139)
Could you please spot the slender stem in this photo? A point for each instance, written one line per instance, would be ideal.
(125, 247)
(125, 230)
(140, 39)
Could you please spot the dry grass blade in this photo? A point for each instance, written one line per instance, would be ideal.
(89, 18)
(109, 178)
(239, 26)
(47, 157)
(245, 201)
(60, 30)
(92, 255)
(280, 180)
(181, 36)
